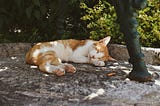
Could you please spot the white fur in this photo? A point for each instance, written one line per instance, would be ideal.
(95, 54)
(51, 68)
(94, 95)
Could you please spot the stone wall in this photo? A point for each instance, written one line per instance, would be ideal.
(119, 52)
(13, 49)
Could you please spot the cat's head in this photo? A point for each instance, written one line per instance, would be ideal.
(100, 51)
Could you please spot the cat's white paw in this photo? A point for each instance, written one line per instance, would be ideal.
(99, 63)
(59, 72)
(69, 68)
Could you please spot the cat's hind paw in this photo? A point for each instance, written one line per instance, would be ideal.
(59, 72)
(69, 68)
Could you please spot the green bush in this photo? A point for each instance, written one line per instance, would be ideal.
(101, 21)
(24, 20)
(149, 24)
(39, 20)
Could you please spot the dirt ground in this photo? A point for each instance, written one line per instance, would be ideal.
(24, 85)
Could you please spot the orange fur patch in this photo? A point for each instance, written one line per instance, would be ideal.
(72, 43)
(29, 56)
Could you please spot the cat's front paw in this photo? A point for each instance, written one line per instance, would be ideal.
(99, 63)
(70, 68)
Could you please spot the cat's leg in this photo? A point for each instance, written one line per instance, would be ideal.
(49, 63)
(52, 69)
(59, 70)
(97, 62)
(84, 59)
(79, 59)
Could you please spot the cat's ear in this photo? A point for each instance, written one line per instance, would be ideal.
(105, 40)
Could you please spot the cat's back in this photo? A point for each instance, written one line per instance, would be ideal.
(71, 47)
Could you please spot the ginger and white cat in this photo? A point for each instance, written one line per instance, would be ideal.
(48, 56)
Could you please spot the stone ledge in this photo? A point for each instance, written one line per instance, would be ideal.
(14, 49)
(119, 52)
(24, 85)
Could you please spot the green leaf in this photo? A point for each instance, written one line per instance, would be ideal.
(36, 2)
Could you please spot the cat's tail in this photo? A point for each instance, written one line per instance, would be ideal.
(30, 59)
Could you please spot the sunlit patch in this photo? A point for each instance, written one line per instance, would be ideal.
(17, 30)
(122, 67)
(127, 79)
(93, 95)
(127, 71)
(54, 43)
(157, 82)
(13, 58)
(4, 69)
(33, 67)
(46, 75)
(113, 67)
(156, 67)
(115, 63)
(126, 62)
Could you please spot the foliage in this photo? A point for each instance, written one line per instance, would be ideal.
(20, 18)
(101, 21)
(38, 20)
(149, 24)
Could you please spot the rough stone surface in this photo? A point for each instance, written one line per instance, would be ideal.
(119, 52)
(24, 85)
(14, 49)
